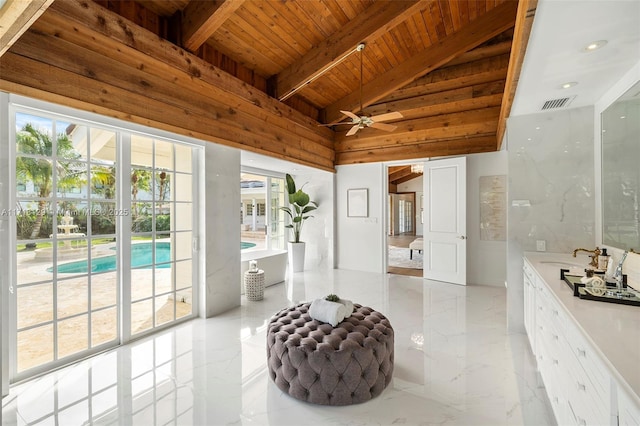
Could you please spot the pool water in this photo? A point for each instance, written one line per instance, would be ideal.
(141, 257)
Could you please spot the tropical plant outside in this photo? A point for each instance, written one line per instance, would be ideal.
(34, 144)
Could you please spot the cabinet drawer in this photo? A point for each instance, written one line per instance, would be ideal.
(590, 362)
(588, 405)
(628, 410)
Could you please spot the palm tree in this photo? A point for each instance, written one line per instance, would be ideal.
(103, 179)
(38, 166)
(140, 179)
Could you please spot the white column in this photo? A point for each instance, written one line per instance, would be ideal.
(220, 289)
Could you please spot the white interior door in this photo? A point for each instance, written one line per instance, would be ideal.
(445, 234)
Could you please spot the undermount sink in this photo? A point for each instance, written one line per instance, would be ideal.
(561, 263)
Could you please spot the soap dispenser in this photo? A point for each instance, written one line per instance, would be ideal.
(603, 260)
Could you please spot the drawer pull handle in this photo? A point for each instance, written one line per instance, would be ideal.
(555, 312)
(582, 353)
(555, 337)
(582, 422)
(581, 387)
(555, 362)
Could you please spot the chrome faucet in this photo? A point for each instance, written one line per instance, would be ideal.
(617, 275)
(594, 256)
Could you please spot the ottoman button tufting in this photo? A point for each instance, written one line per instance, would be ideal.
(355, 338)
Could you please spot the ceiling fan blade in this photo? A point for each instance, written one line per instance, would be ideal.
(387, 116)
(334, 124)
(351, 115)
(382, 126)
(353, 130)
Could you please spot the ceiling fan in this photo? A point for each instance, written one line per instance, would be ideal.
(362, 121)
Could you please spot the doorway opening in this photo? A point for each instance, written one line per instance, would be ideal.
(405, 220)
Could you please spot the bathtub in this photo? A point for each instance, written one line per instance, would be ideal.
(272, 262)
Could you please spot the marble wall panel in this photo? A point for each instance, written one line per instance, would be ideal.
(550, 190)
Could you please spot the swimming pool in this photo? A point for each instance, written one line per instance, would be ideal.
(141, 257)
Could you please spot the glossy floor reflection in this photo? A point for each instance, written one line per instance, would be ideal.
(455, 364)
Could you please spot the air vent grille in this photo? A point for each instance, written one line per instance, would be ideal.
(557, 103)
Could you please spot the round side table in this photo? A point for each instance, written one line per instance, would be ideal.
(254, 285)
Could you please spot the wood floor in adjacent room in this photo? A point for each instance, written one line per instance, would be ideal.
(402, 241)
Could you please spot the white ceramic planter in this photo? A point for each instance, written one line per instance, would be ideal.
(296, 256)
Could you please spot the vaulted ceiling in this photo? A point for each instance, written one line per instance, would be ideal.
(262, 75)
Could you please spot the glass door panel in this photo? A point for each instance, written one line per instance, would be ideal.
(64, 276)
(161, 232)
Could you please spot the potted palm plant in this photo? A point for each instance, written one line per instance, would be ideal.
(298, 212)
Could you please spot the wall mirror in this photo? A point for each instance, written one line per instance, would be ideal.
(621, 171)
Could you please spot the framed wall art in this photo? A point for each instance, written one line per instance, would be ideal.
(358, 202)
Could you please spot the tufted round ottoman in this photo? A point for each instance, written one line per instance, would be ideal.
(318, 363)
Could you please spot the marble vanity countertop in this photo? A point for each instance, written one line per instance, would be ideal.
(613, 329)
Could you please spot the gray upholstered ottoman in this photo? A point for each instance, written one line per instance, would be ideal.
(315, 362)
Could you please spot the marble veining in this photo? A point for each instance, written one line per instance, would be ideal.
(455, 364)
(551, 157)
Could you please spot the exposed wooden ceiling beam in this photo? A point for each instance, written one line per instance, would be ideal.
(399, 174)
(457, 100)
(524, 22)
(447, 126)
(95, 60)
(407, 178)
(452, 78)
(16, 16)
(200, 19)
(440, 148)
(487, 26)
(375, 21)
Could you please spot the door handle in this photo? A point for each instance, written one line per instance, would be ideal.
(462, 237)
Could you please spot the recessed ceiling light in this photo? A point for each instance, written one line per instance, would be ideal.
(622, 117)
(595, 45)
(569, 84)
(537, 127)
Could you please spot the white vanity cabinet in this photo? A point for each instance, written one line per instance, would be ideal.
(530, 303)
(628, 412)
(580, 385)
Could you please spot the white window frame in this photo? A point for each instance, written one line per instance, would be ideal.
(10, 104)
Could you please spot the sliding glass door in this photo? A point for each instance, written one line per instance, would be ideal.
(104, 224)
(66, 299)
(162, 232)
(262, 223)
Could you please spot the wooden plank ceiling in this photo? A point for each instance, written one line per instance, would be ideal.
(262, 74)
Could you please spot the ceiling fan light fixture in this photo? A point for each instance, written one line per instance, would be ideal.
(360, 122)
(417, 168)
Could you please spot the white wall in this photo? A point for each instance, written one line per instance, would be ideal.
(360, 240)
(318, 231)
(486, 260)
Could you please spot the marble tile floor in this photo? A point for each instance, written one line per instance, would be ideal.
(455, 364)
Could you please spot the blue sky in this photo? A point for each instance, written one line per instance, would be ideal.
(40, 123)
